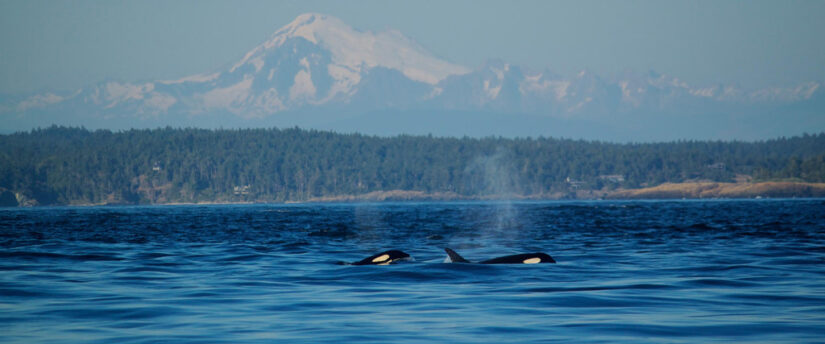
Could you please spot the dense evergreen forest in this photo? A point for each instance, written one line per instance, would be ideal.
(61, 165)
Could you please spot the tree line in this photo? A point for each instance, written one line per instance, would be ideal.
(60, 165)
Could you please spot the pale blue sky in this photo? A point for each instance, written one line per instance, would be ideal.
(66, 45)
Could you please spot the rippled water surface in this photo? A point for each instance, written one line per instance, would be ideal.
(689, 271)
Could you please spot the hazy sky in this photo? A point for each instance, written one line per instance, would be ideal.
(69, 44)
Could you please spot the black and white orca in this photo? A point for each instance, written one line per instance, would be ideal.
(383, 258)
(524, 258)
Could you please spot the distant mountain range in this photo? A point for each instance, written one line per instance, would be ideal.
(318, 72)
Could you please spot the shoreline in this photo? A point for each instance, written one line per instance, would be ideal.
(710, 190)
(666, 191)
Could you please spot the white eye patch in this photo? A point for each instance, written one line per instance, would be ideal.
(381, 258)
(533, 260)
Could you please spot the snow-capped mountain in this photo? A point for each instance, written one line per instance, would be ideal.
(317, 71)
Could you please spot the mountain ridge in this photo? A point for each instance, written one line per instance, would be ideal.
(318, 66)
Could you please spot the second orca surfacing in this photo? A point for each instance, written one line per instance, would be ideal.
(383, 258)
(524, 258)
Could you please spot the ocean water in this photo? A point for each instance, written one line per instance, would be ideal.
(629, 272)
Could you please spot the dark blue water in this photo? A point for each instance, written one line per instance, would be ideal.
(690, 271)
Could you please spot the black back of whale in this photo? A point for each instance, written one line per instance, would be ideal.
(523, 258)
(382, 258)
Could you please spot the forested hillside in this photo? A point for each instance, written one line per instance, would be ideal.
(62, 165)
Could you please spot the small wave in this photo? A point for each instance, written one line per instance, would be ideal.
(719, 283)
(599, 288)
(49, 255)
(243, 258)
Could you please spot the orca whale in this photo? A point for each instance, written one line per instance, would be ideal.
(524, 258)
(383, 258)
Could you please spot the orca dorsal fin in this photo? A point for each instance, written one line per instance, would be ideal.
(454, 256)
